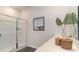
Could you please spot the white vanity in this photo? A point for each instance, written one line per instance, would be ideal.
(50, 46)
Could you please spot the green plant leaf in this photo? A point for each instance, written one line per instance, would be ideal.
(58, 21)
(74, 18)
(70, 18)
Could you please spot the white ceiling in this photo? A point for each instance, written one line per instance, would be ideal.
(20, 7)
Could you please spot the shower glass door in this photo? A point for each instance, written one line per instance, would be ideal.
(21, 33)
(7, 33)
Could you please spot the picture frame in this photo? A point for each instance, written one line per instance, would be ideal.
(39, 24)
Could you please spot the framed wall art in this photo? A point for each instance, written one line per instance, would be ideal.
(39, 24)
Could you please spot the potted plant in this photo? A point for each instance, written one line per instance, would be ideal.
(70, 18)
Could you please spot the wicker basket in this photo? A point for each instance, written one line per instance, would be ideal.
(66, 43)
(58, 41)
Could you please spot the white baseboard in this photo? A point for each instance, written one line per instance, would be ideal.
(18, 48)
(33, 46)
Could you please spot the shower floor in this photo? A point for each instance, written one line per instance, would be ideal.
(27, 49)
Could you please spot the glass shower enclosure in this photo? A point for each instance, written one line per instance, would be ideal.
(12, 33)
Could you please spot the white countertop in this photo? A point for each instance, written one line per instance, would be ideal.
(50, 46)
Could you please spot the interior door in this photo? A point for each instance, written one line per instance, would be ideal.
(7, 34)
(21, 33)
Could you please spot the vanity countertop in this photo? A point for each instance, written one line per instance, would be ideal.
(50, 46)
